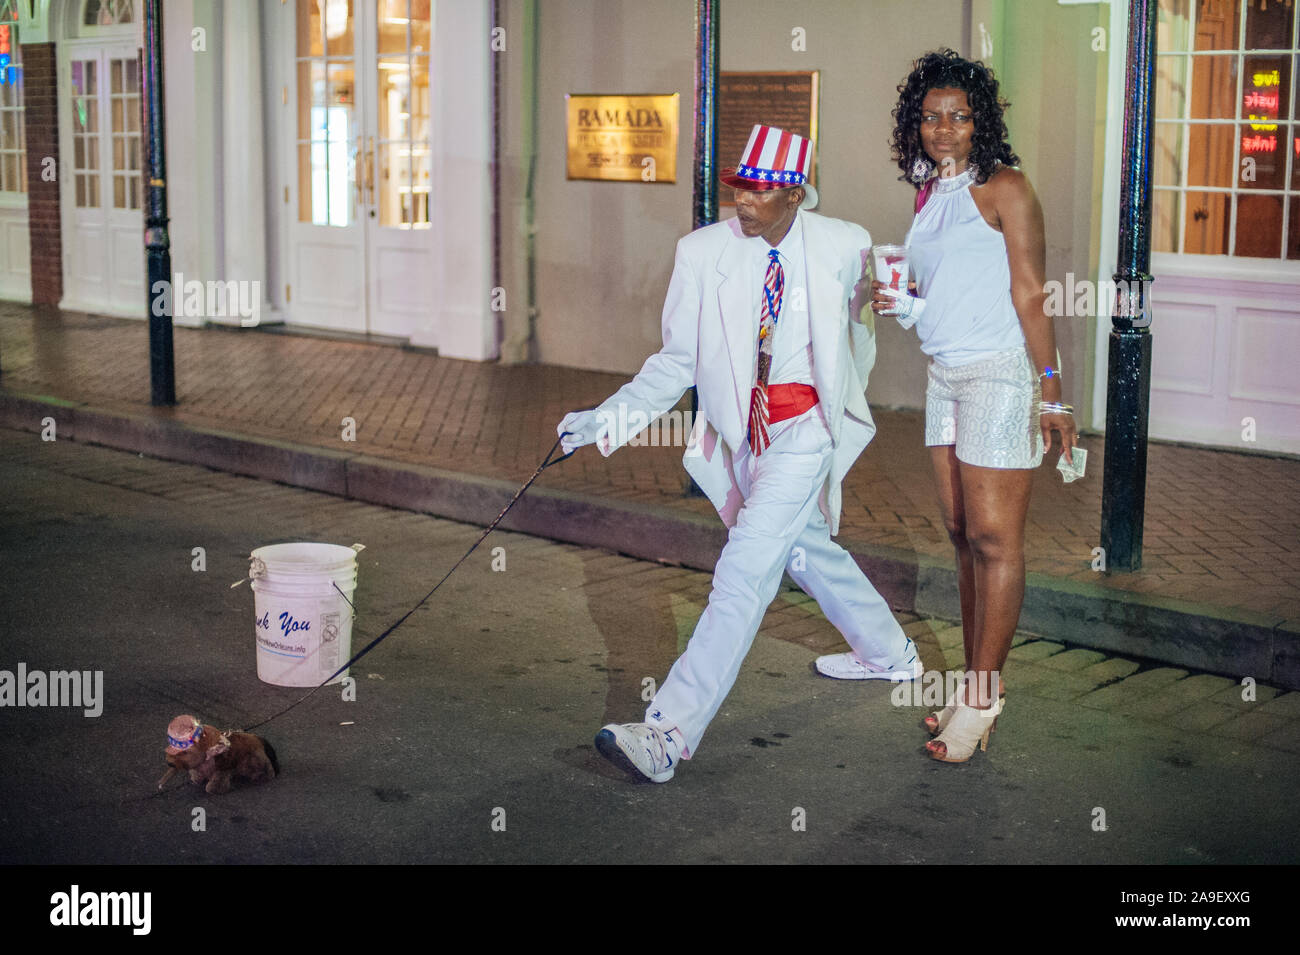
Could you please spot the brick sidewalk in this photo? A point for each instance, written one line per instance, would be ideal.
(1222, 529)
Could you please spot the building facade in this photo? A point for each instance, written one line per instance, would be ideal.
(396, 169)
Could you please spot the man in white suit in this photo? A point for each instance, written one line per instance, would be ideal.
(764, 316)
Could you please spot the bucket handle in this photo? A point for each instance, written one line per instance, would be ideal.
(256, 571)
(257, 567)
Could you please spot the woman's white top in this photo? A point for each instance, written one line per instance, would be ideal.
(960, 265)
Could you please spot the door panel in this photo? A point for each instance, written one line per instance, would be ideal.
(361, 247)
(105, 264)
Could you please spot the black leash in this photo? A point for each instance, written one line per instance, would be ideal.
(546, 463)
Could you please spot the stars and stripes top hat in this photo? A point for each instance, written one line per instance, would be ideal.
(774, 159)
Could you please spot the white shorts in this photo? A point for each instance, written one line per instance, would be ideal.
(988, 409)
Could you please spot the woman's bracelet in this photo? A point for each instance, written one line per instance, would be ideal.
(1049, 372)
(1055, 407)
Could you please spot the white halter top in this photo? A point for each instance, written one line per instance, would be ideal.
(961, 270)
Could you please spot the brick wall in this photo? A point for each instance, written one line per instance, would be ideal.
(41, 120)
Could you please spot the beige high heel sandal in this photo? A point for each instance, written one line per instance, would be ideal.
(936, 723)
(967, 727)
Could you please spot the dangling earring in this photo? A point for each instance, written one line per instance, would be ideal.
(921, 169)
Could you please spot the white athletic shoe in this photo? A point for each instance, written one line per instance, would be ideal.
(648, 750)
(847, 666)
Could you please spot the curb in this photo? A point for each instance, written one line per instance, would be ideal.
(1215, 639)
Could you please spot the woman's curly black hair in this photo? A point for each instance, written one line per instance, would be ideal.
(944, 69)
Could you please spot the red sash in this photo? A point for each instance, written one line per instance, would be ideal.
(789, 401)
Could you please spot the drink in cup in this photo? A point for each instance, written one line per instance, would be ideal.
(890, 263)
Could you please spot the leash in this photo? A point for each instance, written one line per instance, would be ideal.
(546, 463)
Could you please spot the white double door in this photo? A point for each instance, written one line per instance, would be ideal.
(361, 250)
(102, 190)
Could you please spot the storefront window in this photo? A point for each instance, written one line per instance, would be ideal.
(1226, 154)
(13, 149)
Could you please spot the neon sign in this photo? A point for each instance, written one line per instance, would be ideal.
(1258, 144)
(1257, 99)
(5, 76)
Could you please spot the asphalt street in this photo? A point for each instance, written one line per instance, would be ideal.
(470, 738)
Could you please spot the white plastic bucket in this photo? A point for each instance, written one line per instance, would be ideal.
(303, 625)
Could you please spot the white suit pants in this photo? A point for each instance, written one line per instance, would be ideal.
(780, 513)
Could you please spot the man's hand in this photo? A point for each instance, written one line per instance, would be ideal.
(584, 427)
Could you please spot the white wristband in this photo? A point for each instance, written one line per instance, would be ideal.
(909, 307)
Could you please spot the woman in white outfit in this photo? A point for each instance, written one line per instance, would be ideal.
(977, 252)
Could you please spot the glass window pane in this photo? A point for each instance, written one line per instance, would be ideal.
(1265, 87)
(421, 26)
(119, 115)
(1259, 226)
(341, 95)
(1295, 158)
(394, 20)
(119, 192)
(1263, 156)
(115, 74)
(1217, 24)
(393, 181)
(1293, 239)
(136, 189)
(1206, 223)
(132, 68)
(1171, 87)
(394, 80)
(1214, 87)
(326, 183)
(1174, 27)
(420, 99)
(1210, 160)
(338, 27)
(1268, 25)
(119, 153)
(12, 181)
(1167, 153)
(92, 192)
(311, 93)
(310, 31)
(81, 192)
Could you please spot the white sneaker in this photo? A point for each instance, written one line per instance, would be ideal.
(650, 751)
(847, 666)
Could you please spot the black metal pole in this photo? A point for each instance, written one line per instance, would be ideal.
(1128, 388)
(705, 196)
(157, 245)
(704, 202)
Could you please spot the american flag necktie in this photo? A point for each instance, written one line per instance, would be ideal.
(759, 414)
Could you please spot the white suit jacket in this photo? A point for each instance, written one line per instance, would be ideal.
(710, 332)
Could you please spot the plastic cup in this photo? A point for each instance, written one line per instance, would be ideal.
(890, 264)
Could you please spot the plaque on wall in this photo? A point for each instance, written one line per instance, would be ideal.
(622, 138)
(787, 100)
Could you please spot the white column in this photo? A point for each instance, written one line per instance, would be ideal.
(187, 184)
(463, 325)
(242, 167)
